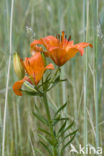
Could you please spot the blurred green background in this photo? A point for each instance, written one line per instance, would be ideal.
(84, 89)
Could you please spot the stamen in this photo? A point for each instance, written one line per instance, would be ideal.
(62, 36)
(58, 36)
(69, 38)
(28, 61)
(65, 36)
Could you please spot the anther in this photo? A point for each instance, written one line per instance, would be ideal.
(58, 36)
(69, 38)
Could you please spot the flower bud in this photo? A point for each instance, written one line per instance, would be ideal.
(18, 66)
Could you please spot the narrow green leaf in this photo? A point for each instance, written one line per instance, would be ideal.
(48, 76)
(50, 141)
(41, 118)
(67, 145)
(67, 128)
(62, 127)
(36, 108)
(38, 91)
(61, 108)
(57, 120)
(31, 93)
(38, 151)
(46, 147)
(64, 119)
(43, 138)
(44, 131)
(58, 71)
(55, 82)
(70, 134)
(46, 82)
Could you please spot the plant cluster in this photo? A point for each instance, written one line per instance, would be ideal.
(30, 73)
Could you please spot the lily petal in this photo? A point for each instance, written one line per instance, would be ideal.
(35, 42)
(17, 86)
(37, 49)
(84, 44)
(63, 36)
(60, 50)
(49, 41)
(81, 50)
(49, 66)
(81, 46)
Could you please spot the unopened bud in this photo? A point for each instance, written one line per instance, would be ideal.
(18, 66)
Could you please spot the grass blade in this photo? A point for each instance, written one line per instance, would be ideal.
(7, 82)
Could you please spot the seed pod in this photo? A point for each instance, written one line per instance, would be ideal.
(18, 66)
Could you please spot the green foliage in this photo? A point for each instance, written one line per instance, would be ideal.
(63, 148)
(60, 109)
(46, 147)
(30, 93)
(41, 118)
(50, 140)
(45, 85)
(34, 19)
(65, 129)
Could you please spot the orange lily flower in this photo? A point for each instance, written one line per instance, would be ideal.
(35, 68)
(59, 50)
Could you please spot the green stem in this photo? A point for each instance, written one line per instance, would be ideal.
(47, 107)
(50, 123)
(55, 152)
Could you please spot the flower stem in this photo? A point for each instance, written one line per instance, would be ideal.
(47, 107)
(50, 123)
(55, 152)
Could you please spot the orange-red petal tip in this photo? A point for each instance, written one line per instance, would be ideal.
(91, 45)
(35, 42)
(17, 86)
(50, 66)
